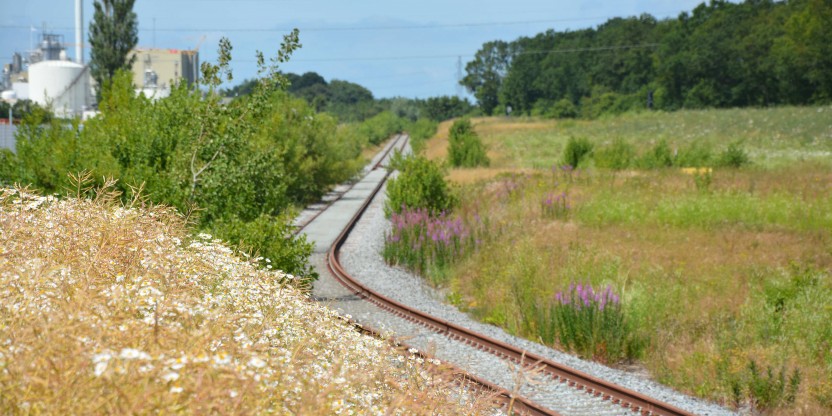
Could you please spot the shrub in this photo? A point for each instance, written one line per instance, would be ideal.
(420, 184)
(8, 167)
(593, 324)
(381, 126)
(576, 150)
(563, 109)
(273, 243)
(420, 131)
(764, 391)
(616, 156)
(423, 242)
(465, 149)
(697, 154)
(660, 156)
(734, 156)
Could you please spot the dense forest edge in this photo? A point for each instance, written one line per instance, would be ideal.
(720, 55)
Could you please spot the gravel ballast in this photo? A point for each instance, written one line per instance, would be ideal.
(361, 257)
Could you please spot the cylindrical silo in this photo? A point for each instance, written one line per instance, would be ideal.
(63, 84)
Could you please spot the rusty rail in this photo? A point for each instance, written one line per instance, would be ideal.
(400, 140)
(627, 398)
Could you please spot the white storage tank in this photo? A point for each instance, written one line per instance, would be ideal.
(63, 84)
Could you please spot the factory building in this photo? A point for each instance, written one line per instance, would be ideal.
(159, 69)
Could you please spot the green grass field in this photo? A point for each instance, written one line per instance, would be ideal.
(723, 275)
(774, 137)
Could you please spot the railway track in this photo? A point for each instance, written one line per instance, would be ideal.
(629, 401)
(398, 142)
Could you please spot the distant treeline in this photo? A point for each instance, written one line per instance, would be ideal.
(351, 102)
(755, 53)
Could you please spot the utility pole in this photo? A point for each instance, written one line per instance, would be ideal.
(459, 77)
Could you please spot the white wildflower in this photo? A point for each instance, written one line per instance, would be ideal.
(101, 362)
(256, 362)
(170, 376)
(133, 354)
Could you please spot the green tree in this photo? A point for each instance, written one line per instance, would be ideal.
(486, 72)
(114, 31)
(445, 108)
(805, 52)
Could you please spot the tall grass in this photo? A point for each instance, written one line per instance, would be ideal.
(665, 244)
(592, 323)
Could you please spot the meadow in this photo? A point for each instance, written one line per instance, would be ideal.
(720, 275)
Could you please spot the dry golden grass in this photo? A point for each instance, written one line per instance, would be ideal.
(111, 309)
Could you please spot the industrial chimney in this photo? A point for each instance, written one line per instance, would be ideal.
(79, 31)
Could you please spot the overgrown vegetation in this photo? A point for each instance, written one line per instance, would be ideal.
(420, 184)
(237, 170)
(465, 149)
(576, 151)
(591, 323)
(724, 212)
(429, 243)
(118, 308)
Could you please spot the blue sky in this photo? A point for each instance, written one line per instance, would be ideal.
(394, 48)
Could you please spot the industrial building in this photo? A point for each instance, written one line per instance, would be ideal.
(49, 78)
(163, 68)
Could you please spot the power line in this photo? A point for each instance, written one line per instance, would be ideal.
(349, 29)
(468, 55)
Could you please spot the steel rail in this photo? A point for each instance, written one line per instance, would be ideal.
(518, 405)
(395, 140)
(627, 398)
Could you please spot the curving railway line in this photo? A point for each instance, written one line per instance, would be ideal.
(329, 228)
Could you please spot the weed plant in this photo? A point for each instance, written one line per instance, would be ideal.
(555, 206)
(576, 151)
(428, 243)
(764, 391)
(592, 323)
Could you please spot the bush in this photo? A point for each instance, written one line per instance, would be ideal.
(427, 243)
(734, 156)
(419, 185)
(380, 127)
(576, 150)
(697, 154)
(658, 157)
(563, 109)
(465, 149)
(420, 131)
(616, 156)
(271, 239)
(8, 167)
(593, 324)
